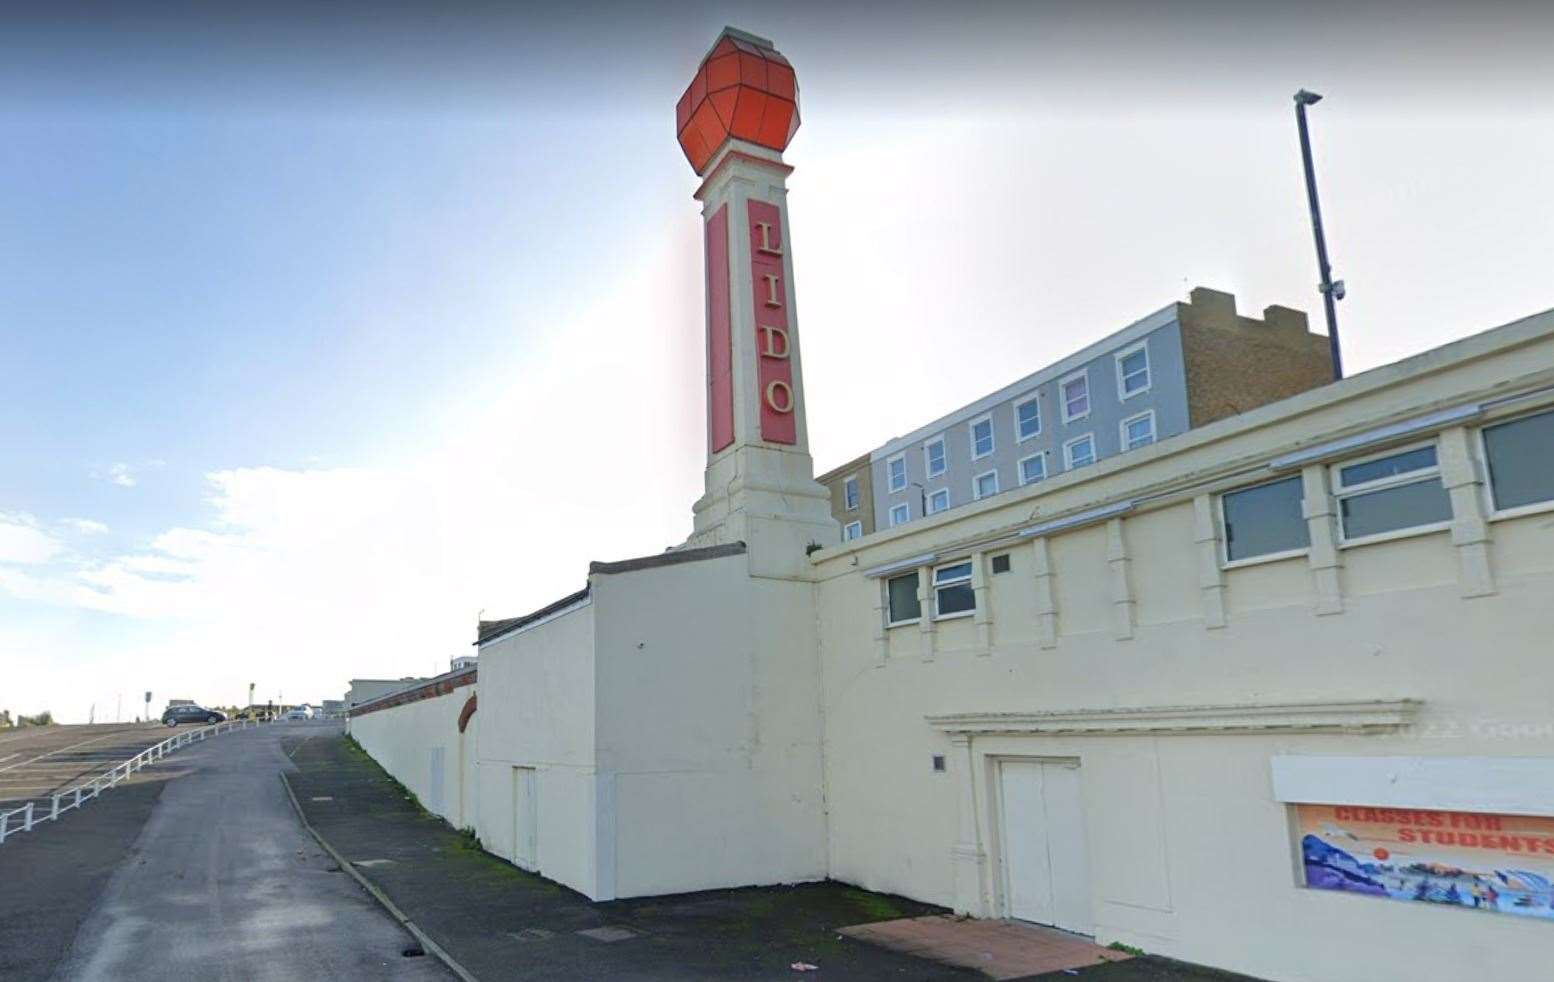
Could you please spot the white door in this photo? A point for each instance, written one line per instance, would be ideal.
(1046, 876)
(525, 812)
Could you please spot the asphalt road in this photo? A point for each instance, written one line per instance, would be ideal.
(219, 881)
(35, 762)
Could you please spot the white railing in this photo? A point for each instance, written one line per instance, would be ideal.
(24, 818)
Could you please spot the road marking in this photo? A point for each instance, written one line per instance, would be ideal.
(9, 756)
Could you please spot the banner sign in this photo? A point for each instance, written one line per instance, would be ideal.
(1498, 863)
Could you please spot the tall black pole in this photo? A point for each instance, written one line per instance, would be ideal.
(1329, 300)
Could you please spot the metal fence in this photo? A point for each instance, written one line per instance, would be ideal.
(23, 819)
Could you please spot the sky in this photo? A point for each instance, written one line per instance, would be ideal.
(326, 330)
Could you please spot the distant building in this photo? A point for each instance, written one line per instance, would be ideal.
(366, 690)
(461, 662)
(1183, 366)
(852, 496)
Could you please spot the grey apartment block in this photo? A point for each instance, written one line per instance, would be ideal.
(1165, 397)
(1192, 351)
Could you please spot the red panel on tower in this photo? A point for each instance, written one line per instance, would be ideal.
(720, 342)
(773, 335)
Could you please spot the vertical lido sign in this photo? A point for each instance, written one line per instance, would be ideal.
(773, 335)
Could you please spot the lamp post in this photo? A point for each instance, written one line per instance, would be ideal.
(1331, 292)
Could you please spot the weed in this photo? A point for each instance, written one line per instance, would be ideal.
(1125, 948)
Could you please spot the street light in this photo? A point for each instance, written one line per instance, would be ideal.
(1331, 291)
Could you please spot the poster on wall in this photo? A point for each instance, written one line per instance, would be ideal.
(1496, 863)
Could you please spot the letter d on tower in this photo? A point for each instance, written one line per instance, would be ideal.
(733, 122)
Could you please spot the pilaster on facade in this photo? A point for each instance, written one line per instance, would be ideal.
(1321, 514)
(1463, 480)
(1123, 608)
(967, 855)
(983, 616)
(1211, 578)
(881, 628)
(1046, 603)
(925, 622)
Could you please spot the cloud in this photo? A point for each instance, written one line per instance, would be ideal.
(23, 542)
(120, 474)
(85, 526)
(300, 578)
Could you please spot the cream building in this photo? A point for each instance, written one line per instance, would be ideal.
(1170, 700)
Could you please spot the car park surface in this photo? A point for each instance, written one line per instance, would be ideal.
(37, 762)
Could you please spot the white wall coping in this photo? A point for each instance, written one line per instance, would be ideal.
(1498, 785)
(1365, 716)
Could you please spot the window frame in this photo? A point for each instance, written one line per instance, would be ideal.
(855, 523)
(1225, 562)
(1493, 511)
(1034, 398)
(976, 480)
(1339, 492)
(890, 478)
(917, 577)
(1122, 430)
(1084, 374)
(929, 496)
(935, 586)
(1019, 468)
(992, 437)
(1068, 457)
(944, 456)
(850, 482)
(892, 513)
(1149, 370)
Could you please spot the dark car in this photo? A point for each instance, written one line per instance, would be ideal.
(191, 714)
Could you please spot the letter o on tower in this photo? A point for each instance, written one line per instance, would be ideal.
(779, 396)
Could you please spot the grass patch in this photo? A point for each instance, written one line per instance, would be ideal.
(1125, 948)
(468, 841)
(874, 905)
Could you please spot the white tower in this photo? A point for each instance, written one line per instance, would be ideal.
(733, 122)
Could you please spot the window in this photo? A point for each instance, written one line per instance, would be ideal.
(981, 437)
(1075, 392)
(1391, 493)
(1033, 468)
(851, 531)
(900, 515)
(850, 493)
(985, 485)
(1001, 563)
(1138, 431)
(901, 596)
(1079, 452)
(939, 501)
(933, 457)
(895, 469)
(1132, 371)
(952, 593)
(1027, 418)
(1521, 462)
(1265, 520)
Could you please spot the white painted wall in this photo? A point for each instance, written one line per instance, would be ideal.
(404, 740)
(537, 709)
(708, 724)
(1191, 853)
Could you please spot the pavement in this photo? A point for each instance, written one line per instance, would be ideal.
(499, 922)
(198, 868)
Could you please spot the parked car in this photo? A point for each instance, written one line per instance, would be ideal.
(300, 712)
(191, 714)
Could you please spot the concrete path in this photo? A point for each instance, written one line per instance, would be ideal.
(223, 883)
